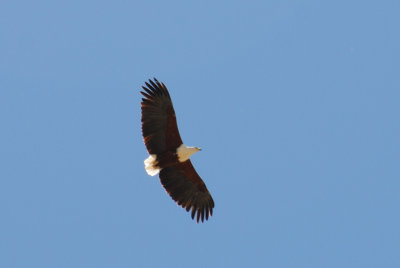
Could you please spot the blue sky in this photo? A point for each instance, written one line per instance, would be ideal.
(294, 103)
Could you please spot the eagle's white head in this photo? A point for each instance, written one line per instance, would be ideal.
(184, 152)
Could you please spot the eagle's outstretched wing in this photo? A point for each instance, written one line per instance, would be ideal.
(159, 128)
(185, 186)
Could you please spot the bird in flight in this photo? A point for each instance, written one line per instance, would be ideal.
(169, 157)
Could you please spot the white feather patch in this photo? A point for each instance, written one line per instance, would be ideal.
(150, 164)
(184, 152)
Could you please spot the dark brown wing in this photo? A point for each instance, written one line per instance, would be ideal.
(159, 128)
(185, 186)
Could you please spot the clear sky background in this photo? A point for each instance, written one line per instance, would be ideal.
(296, 105)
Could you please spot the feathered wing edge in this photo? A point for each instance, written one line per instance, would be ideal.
(155, 88)
(186, 188)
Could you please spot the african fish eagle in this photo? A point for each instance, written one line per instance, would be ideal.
(168, 155)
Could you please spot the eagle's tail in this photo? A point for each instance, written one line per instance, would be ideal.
(150, 164)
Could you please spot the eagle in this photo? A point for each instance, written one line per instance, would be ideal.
(169, 157)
